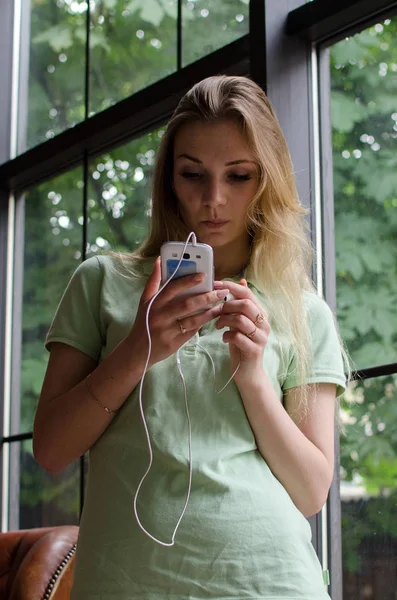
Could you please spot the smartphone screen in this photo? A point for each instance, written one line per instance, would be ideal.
(187, 267)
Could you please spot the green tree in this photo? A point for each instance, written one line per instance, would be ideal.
(133, 44)
(364, 117)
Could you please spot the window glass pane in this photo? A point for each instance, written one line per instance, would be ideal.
(132, 45)
(364, 127)
(364, 122)
(209, 25)
(53, 242)
(119, 195)
(135, 44)
(41, 499)
(369, 490)
(54, 54)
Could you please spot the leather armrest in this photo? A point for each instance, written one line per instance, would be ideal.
(42, 565)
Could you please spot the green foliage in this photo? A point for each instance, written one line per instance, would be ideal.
(364, 117)
(132, 45)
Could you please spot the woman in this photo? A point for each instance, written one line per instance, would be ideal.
(263, 448)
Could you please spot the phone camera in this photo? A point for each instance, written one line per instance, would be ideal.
(186, 255)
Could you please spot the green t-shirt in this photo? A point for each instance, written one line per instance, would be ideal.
(242, 536)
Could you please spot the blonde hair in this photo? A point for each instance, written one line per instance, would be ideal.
(280, 257)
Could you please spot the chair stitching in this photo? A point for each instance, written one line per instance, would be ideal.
(58, 572)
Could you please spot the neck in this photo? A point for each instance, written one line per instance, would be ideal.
(230, 261)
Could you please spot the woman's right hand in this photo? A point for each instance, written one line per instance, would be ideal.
(169, 320)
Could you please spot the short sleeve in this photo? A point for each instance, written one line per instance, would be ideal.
(326, 365)
(77, 318)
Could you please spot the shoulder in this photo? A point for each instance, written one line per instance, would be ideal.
(316, 307)
(124, 265)
(320, 318)
(118, 267)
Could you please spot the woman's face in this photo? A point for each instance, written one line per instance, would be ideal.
(215, 178)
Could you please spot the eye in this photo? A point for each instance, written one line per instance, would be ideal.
(190, 175)
(237, 177)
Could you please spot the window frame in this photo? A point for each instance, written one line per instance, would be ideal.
(286, 52)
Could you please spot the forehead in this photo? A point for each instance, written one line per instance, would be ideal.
(220, 137)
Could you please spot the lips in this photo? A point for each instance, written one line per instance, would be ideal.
(217, 224)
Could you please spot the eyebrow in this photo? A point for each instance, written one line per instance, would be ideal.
(232, 162)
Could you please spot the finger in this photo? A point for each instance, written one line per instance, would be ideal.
(239, 323)
(240, 340)
(239, 291)
(249, 309)
(153, 282)
(244, 282)
(176, 286)
(182, 307)
(194, 322)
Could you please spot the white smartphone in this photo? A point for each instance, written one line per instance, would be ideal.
(196, 259)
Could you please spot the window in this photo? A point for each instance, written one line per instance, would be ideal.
(364, 134)
(38, 498)
(93, 89)
(53, 60)
(76, 71)
(119, 195)
(52, 249)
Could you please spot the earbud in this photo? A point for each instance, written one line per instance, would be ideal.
(229, 297)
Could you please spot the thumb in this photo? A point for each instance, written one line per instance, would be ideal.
(244, 282)
(153, 282)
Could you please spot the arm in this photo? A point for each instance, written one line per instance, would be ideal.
(68, 419)
(299, 449)
(299, 453)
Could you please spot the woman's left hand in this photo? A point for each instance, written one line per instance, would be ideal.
(249, 330)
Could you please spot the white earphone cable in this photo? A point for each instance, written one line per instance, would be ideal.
(178, 361)
(213, 368)
(193, 237)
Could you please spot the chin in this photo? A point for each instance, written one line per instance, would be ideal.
(216, 240)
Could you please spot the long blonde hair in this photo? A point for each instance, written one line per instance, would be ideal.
(280, 257)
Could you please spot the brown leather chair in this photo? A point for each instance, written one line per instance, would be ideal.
(37, 564)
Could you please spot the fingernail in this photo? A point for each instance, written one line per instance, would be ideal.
(219, 283)
(198, 277)
(222, 293)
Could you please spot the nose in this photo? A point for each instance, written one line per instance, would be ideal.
(213, 193)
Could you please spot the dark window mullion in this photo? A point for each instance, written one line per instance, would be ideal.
(322, 20)
(17, 437)
(257, 42)
(371, 372)
(128, 119)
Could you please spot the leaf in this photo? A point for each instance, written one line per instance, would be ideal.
(110, 4)
(150, 10)
(58, 37)
(345, 112)
(352, 49)
(96, 38)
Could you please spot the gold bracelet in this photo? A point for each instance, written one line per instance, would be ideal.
(88, 386)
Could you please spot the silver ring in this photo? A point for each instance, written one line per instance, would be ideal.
(259, 319)
(181, 327)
